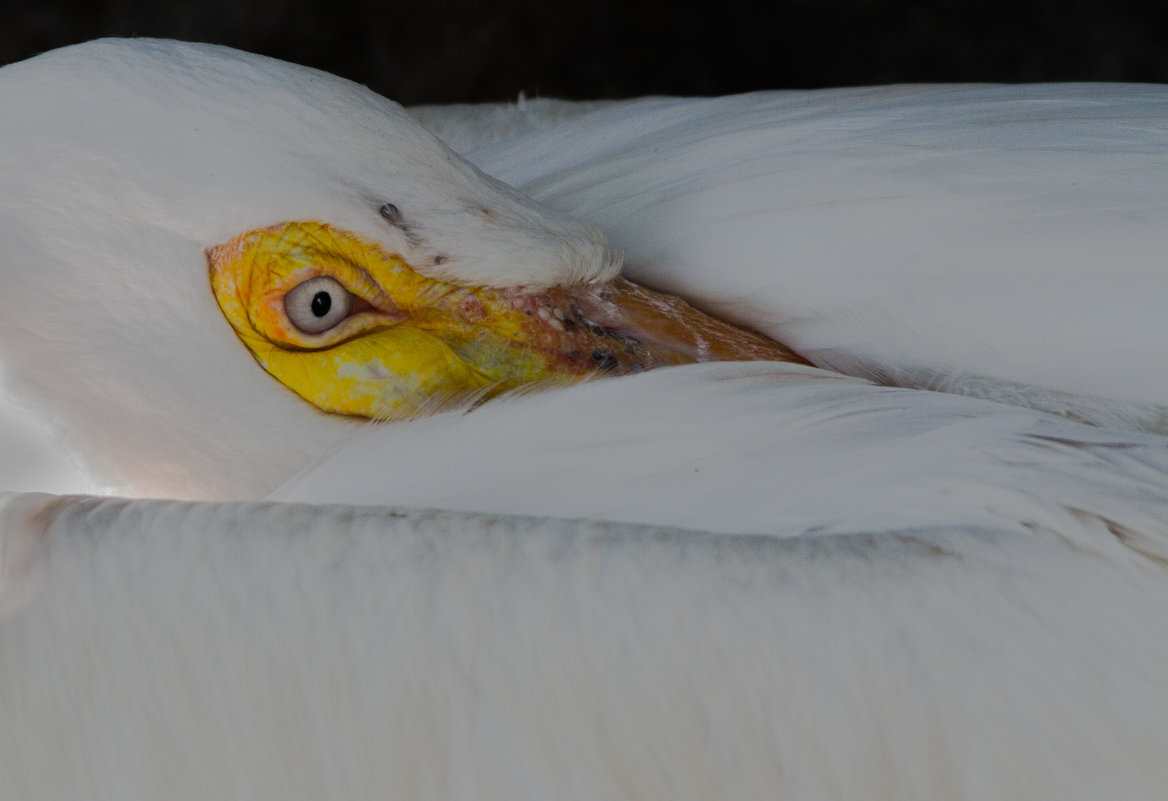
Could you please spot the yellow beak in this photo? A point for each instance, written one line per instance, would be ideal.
(355, 330)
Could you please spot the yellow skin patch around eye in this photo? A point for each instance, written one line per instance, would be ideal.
(410, 343)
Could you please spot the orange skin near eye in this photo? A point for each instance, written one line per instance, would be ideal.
(412, 343)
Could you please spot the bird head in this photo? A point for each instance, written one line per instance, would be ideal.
(174, 215)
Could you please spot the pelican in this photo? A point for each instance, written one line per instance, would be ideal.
(866, 496)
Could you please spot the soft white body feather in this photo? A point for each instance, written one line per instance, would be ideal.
(924, 236)
(294, 652)
(761, 448)
(951, 597)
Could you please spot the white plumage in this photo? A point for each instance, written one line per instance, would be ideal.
(249, 143)
(919, 235)
(955, 597)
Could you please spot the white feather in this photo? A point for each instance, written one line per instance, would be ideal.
(295, 652)
(952, 597)
(123, 161)
(1014, 233)
(761, 448)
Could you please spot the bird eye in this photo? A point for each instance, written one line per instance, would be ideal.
(318, 304)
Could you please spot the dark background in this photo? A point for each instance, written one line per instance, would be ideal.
(442, 51)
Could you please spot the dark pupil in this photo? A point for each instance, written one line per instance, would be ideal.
(321, 303)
